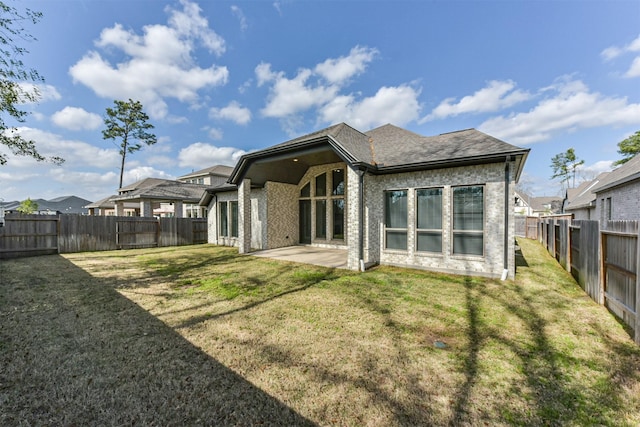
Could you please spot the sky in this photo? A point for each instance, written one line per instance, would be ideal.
(221, 78)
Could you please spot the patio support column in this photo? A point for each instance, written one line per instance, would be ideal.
(145, 208)
(177, 209)
(119, 208)
(354, 218)
(244, 216)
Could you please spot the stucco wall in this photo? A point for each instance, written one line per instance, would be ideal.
(625, 202)
(490, 264)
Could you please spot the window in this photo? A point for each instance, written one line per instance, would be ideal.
(224, 220)
(338, 182)
(468, 220)
(395, 214)
(429, 220)
(321, 219)
(338, 219)
(228, 219)
(306, 190)
(325, 195)
(607, 211)
(321, 185)
(233, 206)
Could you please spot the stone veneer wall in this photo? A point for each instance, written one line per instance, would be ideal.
(491, 176)
(625, 203)
(282, 214)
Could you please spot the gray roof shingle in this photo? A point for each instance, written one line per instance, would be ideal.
(629, 171)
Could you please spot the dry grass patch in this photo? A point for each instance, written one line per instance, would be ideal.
(330, 346)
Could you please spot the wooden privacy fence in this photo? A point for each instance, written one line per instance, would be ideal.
(605, 261)
(28, 235)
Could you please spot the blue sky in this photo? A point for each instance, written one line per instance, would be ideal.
(221, 78)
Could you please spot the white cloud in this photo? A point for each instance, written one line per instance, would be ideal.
(234, 112)
(215, 134)
(613, 52)
(571, 106)
(497, 95)
(74, 118)
(41, 92)
(292, 96)
(339, 70)
(320, 89)
(240, 15)
(201, 155)
(75, 153)
(634, 70)
(159, 62)
(398, 105)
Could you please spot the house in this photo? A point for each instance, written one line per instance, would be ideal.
(545, 205)
(163, 197)
(618, 194)
(211, 176)
(581, 201)
(523, 204)
(386, 196)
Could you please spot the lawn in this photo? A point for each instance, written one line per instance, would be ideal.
(202, 336)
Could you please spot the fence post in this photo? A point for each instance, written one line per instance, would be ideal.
(637, 323)
(603, 272)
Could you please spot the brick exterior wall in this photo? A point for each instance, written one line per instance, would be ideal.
(282, 215)
(490, 264)
(274, 211)
(625, 202)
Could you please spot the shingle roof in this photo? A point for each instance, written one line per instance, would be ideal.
(166, 191)
(218, 170)
(629, 171)
(389, 148)
(394, 146)
(583, 196)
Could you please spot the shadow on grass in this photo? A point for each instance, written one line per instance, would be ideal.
(555, 400)
(73, 351)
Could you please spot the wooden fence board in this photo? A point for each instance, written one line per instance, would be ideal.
(604, 258)
(40, 234)
(28, 235)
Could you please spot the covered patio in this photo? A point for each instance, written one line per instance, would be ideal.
(325, 257)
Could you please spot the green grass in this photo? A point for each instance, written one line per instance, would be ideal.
(347, 348)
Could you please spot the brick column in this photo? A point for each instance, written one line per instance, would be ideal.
(177, 209)
(119, 208)
(244, 216)
(145, 208)
(353, 219)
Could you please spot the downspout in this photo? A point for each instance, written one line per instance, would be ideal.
(505, 271)
(361, 219)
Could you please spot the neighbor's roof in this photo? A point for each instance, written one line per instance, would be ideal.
(390, 149)
(143, 183)
(628, 172)
(217, 170)
(583, 196)
(166, 191)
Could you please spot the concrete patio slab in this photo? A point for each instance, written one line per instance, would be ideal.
(325, 257)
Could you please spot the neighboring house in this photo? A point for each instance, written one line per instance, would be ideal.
(545, 205)
(523, 204)
(64, 204)
(581, 201)
(163, 197)
(160, 197)
(386, 196)
(618, 194)
(212, 176)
